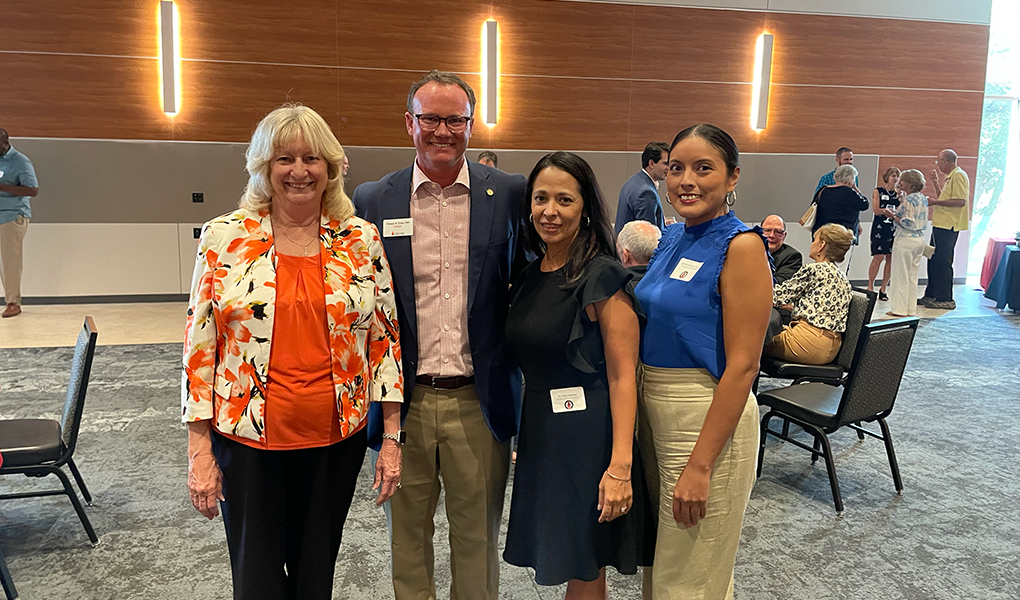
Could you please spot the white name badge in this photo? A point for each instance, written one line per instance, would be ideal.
(686, 269)
(397, 227)
(884, 196)
(568, 399)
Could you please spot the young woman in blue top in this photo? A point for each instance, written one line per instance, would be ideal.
(707, 296)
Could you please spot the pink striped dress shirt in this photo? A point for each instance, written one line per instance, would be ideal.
(439, 245)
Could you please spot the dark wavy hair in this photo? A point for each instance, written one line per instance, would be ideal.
(595, 236)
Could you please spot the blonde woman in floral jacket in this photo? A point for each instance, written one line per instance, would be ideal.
(291, 333)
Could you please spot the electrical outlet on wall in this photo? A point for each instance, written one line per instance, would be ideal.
(197, 232)
(197, 197)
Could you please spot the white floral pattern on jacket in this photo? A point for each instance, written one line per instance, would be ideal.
(229, 329)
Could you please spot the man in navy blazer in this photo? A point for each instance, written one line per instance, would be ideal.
(450, 230)
(639, 197)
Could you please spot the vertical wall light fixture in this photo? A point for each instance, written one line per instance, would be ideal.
(762, 82)
(169, 57)
(490, 71)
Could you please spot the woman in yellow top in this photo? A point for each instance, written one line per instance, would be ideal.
(291, 333)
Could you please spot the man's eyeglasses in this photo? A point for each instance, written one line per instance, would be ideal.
(774, 231)
(430, 122)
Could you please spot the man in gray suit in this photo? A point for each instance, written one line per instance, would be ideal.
(639, 197)
(450, 228)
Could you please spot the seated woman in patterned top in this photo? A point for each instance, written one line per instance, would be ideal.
(819, 298)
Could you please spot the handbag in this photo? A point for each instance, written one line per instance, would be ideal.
(808, 220)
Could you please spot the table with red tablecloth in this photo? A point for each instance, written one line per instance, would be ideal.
(993, 256)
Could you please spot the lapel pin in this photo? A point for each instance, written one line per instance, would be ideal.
(489, 191)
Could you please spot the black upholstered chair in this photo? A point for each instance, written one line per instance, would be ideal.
(39, 447)
(867, 394)
(5, 579)
(862, 306)
(5, 574)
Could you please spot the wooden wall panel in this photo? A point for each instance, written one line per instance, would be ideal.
(566, 39)
(819, 120)
(372, 105)
(410, 35)
(695, 45)
(821, 50)
(536, 113)
(81, 96)
(225, 101)
(925, 164)
(121, 27)
(668, 108)
(560, 114)
(301, 33)
(585, 76)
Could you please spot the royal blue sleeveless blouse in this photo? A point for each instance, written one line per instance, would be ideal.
(680, 296)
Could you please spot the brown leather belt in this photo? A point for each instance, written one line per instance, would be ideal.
(444, 383)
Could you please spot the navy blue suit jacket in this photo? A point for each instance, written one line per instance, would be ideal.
(494, 256)
(639, 201)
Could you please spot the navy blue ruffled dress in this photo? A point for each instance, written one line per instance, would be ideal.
(561, 457)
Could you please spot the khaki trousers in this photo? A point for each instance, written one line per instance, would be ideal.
(448, 440)
(12, 242)
(696, 563)
(805, 344)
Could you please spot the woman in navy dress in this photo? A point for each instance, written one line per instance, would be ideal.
(707, 296)
(884, 197)
(579, 502)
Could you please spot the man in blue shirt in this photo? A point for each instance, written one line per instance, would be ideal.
(844, 156)
(639, 197)
(17, 185)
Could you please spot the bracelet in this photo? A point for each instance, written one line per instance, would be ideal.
(615, 477)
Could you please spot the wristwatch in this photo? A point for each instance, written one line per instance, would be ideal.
(399, 437)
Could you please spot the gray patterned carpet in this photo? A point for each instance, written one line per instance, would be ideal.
(954, 534)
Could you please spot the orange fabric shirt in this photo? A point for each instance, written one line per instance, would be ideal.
(300, 409)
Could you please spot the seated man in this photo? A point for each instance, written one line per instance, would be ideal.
(636, 243)
(786, 261)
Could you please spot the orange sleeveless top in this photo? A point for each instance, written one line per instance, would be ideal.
(300, 410)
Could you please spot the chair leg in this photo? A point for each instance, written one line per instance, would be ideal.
(860, 434)
(81, 482)
(818, 445)
(786, 427)
(761, 440)
(7, 581)
(892, 456)
(77, 506)
(823, 440)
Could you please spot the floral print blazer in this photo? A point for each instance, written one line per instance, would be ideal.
(229, 331)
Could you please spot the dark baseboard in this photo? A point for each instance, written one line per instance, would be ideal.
(113, 299)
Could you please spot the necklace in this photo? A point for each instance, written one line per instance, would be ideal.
(304, 249)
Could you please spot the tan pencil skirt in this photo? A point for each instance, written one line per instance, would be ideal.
(694, 563)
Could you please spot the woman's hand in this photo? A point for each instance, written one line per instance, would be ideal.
(205, 482)
(615, 496)
(387, 471)
(690, 496)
